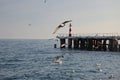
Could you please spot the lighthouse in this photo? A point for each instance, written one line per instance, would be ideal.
(70, 30)
(70, 39)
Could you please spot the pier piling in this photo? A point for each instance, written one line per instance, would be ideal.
(70, 43)
(104, 45)
(76, 44)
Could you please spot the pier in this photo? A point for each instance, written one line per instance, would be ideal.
(90, 41)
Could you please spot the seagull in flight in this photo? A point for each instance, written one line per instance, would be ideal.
(61, 25)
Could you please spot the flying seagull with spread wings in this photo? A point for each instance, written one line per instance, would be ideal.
(61, 25)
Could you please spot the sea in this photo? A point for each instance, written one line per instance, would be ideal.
(32, 59)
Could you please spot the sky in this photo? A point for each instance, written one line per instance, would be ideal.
(35, 19)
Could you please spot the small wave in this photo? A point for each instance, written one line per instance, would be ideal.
(10, 60)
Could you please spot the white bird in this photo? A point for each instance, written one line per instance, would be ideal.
(58, 59)
(61, 25)
(99, 67)
(63, 45)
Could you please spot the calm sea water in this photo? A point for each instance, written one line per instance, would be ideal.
(32, 60)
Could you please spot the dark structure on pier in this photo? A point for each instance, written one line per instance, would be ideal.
(91, 42)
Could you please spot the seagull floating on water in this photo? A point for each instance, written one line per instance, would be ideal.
(61, 25)
(58, 59)
(99, 67)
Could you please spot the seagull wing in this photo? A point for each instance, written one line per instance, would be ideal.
(66, 22)
(58, 58)
(61, 25)
(57, 28)
(63, 45)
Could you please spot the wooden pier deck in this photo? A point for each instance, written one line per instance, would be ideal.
(91, 41)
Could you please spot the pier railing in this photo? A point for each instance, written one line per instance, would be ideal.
(62, 35)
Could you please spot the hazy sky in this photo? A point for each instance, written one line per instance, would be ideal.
(88, 16)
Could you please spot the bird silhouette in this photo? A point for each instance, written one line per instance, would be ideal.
(61, 25)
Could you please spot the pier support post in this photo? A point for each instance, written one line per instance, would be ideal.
(55, 45)
(62, 43)
(104, 45)
(76, 43)
(70, 43)
(110, 45)
(119, 47)
(89, 44)
(99, 44)
(82, 44)
(95, 44)
(115, 44)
